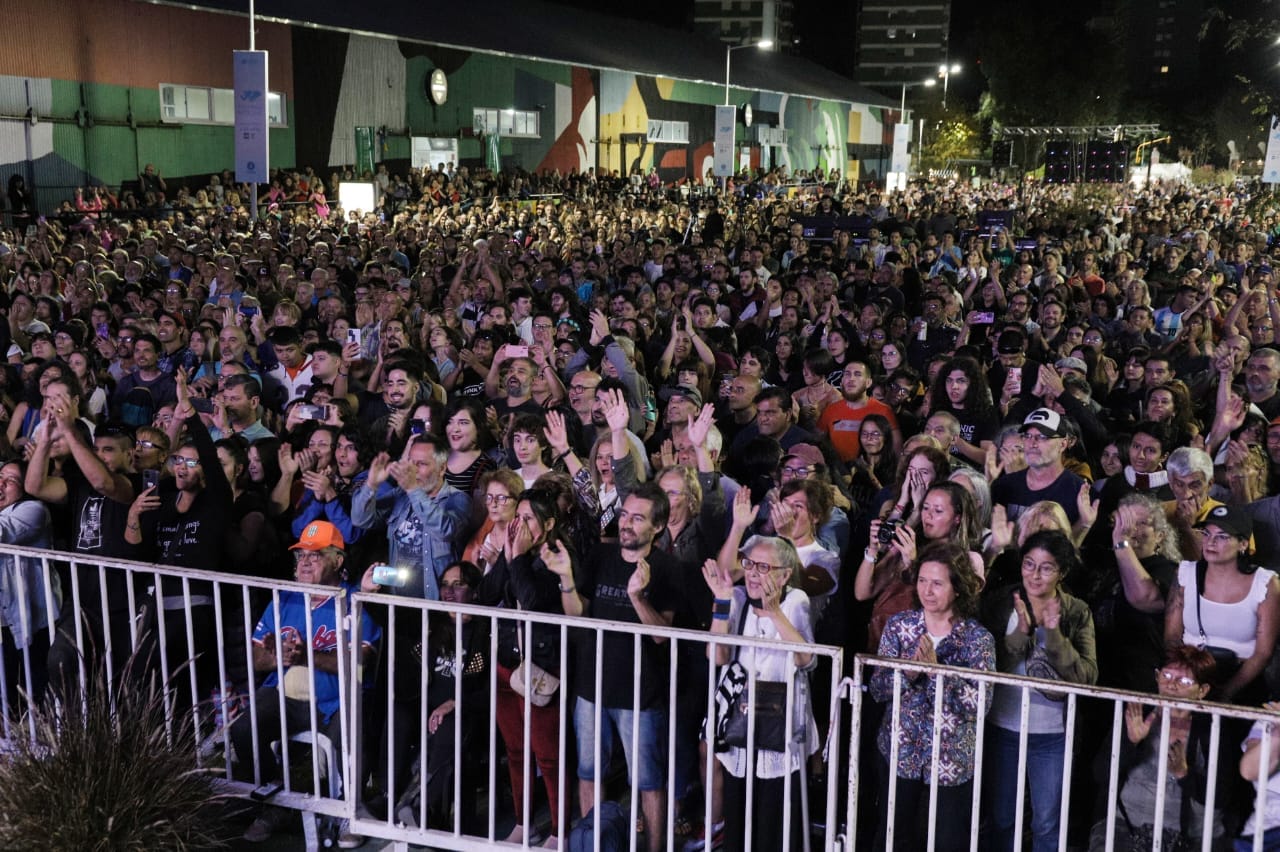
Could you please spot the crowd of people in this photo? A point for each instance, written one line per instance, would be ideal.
(997, 428)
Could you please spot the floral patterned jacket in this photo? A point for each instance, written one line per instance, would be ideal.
(970, 646)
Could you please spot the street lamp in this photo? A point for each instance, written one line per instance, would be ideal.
(763, 44)
(945, 72)
(926, 83)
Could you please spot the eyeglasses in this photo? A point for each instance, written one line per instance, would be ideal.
(1172, 677)
(750, 566)
(674, 494)
(301, 556)
(542, 326)
(179, 461)
(1039, 570)
(796, 472)
(498, 499)
(146, 445)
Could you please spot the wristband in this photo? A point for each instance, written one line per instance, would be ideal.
(562, 455)
(868, 555)
(718, 616)
(568, 590)
(720, 609)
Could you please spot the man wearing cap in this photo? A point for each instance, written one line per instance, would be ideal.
(1045, 477)
(683, 404)
(308, 658)
(291, 375)
(842, 421)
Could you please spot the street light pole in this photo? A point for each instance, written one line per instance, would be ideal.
(945, 72)
(763, 44)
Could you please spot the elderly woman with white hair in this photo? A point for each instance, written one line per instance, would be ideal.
(769, 605)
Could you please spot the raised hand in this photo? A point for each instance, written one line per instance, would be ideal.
(379, 470)
(616, 411)
(699, 426)
(639, 580)
(718, 580)
(557, 434)
(1001, 527)
(1086, 505)
(1024, 617)
(1051, 617)
(743, 512)
(289, 462)
(1137, 725)
(556, 558)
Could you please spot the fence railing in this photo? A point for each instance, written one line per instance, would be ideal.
(386, 722)
(1106, 705)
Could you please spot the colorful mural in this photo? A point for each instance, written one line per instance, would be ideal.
(103, 130)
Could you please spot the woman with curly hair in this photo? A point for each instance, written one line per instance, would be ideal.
(961, 389)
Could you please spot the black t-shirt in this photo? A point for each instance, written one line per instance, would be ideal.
(602, 581)
(1011, 491)
(98, 530)
(1135, 639)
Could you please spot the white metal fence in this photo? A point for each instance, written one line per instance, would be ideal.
(382, 734)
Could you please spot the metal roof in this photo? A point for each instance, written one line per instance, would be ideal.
(538, 30)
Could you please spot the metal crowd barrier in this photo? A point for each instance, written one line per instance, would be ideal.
(679, 645)
(855, 687)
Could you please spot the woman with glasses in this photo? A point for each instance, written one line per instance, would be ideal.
(1043, 632)
(447, 721)
(941, 628)
(499, 490)
(1187, 675)
(768, 604)
(183, 521)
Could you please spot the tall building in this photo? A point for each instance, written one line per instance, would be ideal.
(1162, 44)
(901, 41)
(742, 21)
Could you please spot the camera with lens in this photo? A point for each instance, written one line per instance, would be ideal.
(888, 530)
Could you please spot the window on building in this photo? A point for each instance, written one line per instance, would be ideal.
(206, 105)
(520, 123)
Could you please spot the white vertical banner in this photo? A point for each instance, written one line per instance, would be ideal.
(900, 160)
(1271, 164)
(722, 147)
(250, 79)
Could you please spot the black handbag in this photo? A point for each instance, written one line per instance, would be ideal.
(768, 701)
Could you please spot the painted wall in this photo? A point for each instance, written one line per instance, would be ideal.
(123, 50)
(585, 113)
(106, 59)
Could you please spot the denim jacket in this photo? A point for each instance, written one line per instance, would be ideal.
(443, 517)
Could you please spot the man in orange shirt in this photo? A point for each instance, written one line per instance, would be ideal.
(842, 420)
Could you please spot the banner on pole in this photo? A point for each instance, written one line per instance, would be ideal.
(1271, 164)
(722, 147)
(252, 137)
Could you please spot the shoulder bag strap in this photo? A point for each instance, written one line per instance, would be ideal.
(1202, 569)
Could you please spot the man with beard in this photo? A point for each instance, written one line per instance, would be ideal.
(631, 582)
(399, 396)
(236, 410)
(146, 381)
(518, 384)
(171, 330)
(1261, 374)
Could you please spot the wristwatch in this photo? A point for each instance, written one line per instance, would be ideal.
(1121, 545)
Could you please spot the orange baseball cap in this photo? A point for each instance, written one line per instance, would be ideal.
(318, 535)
